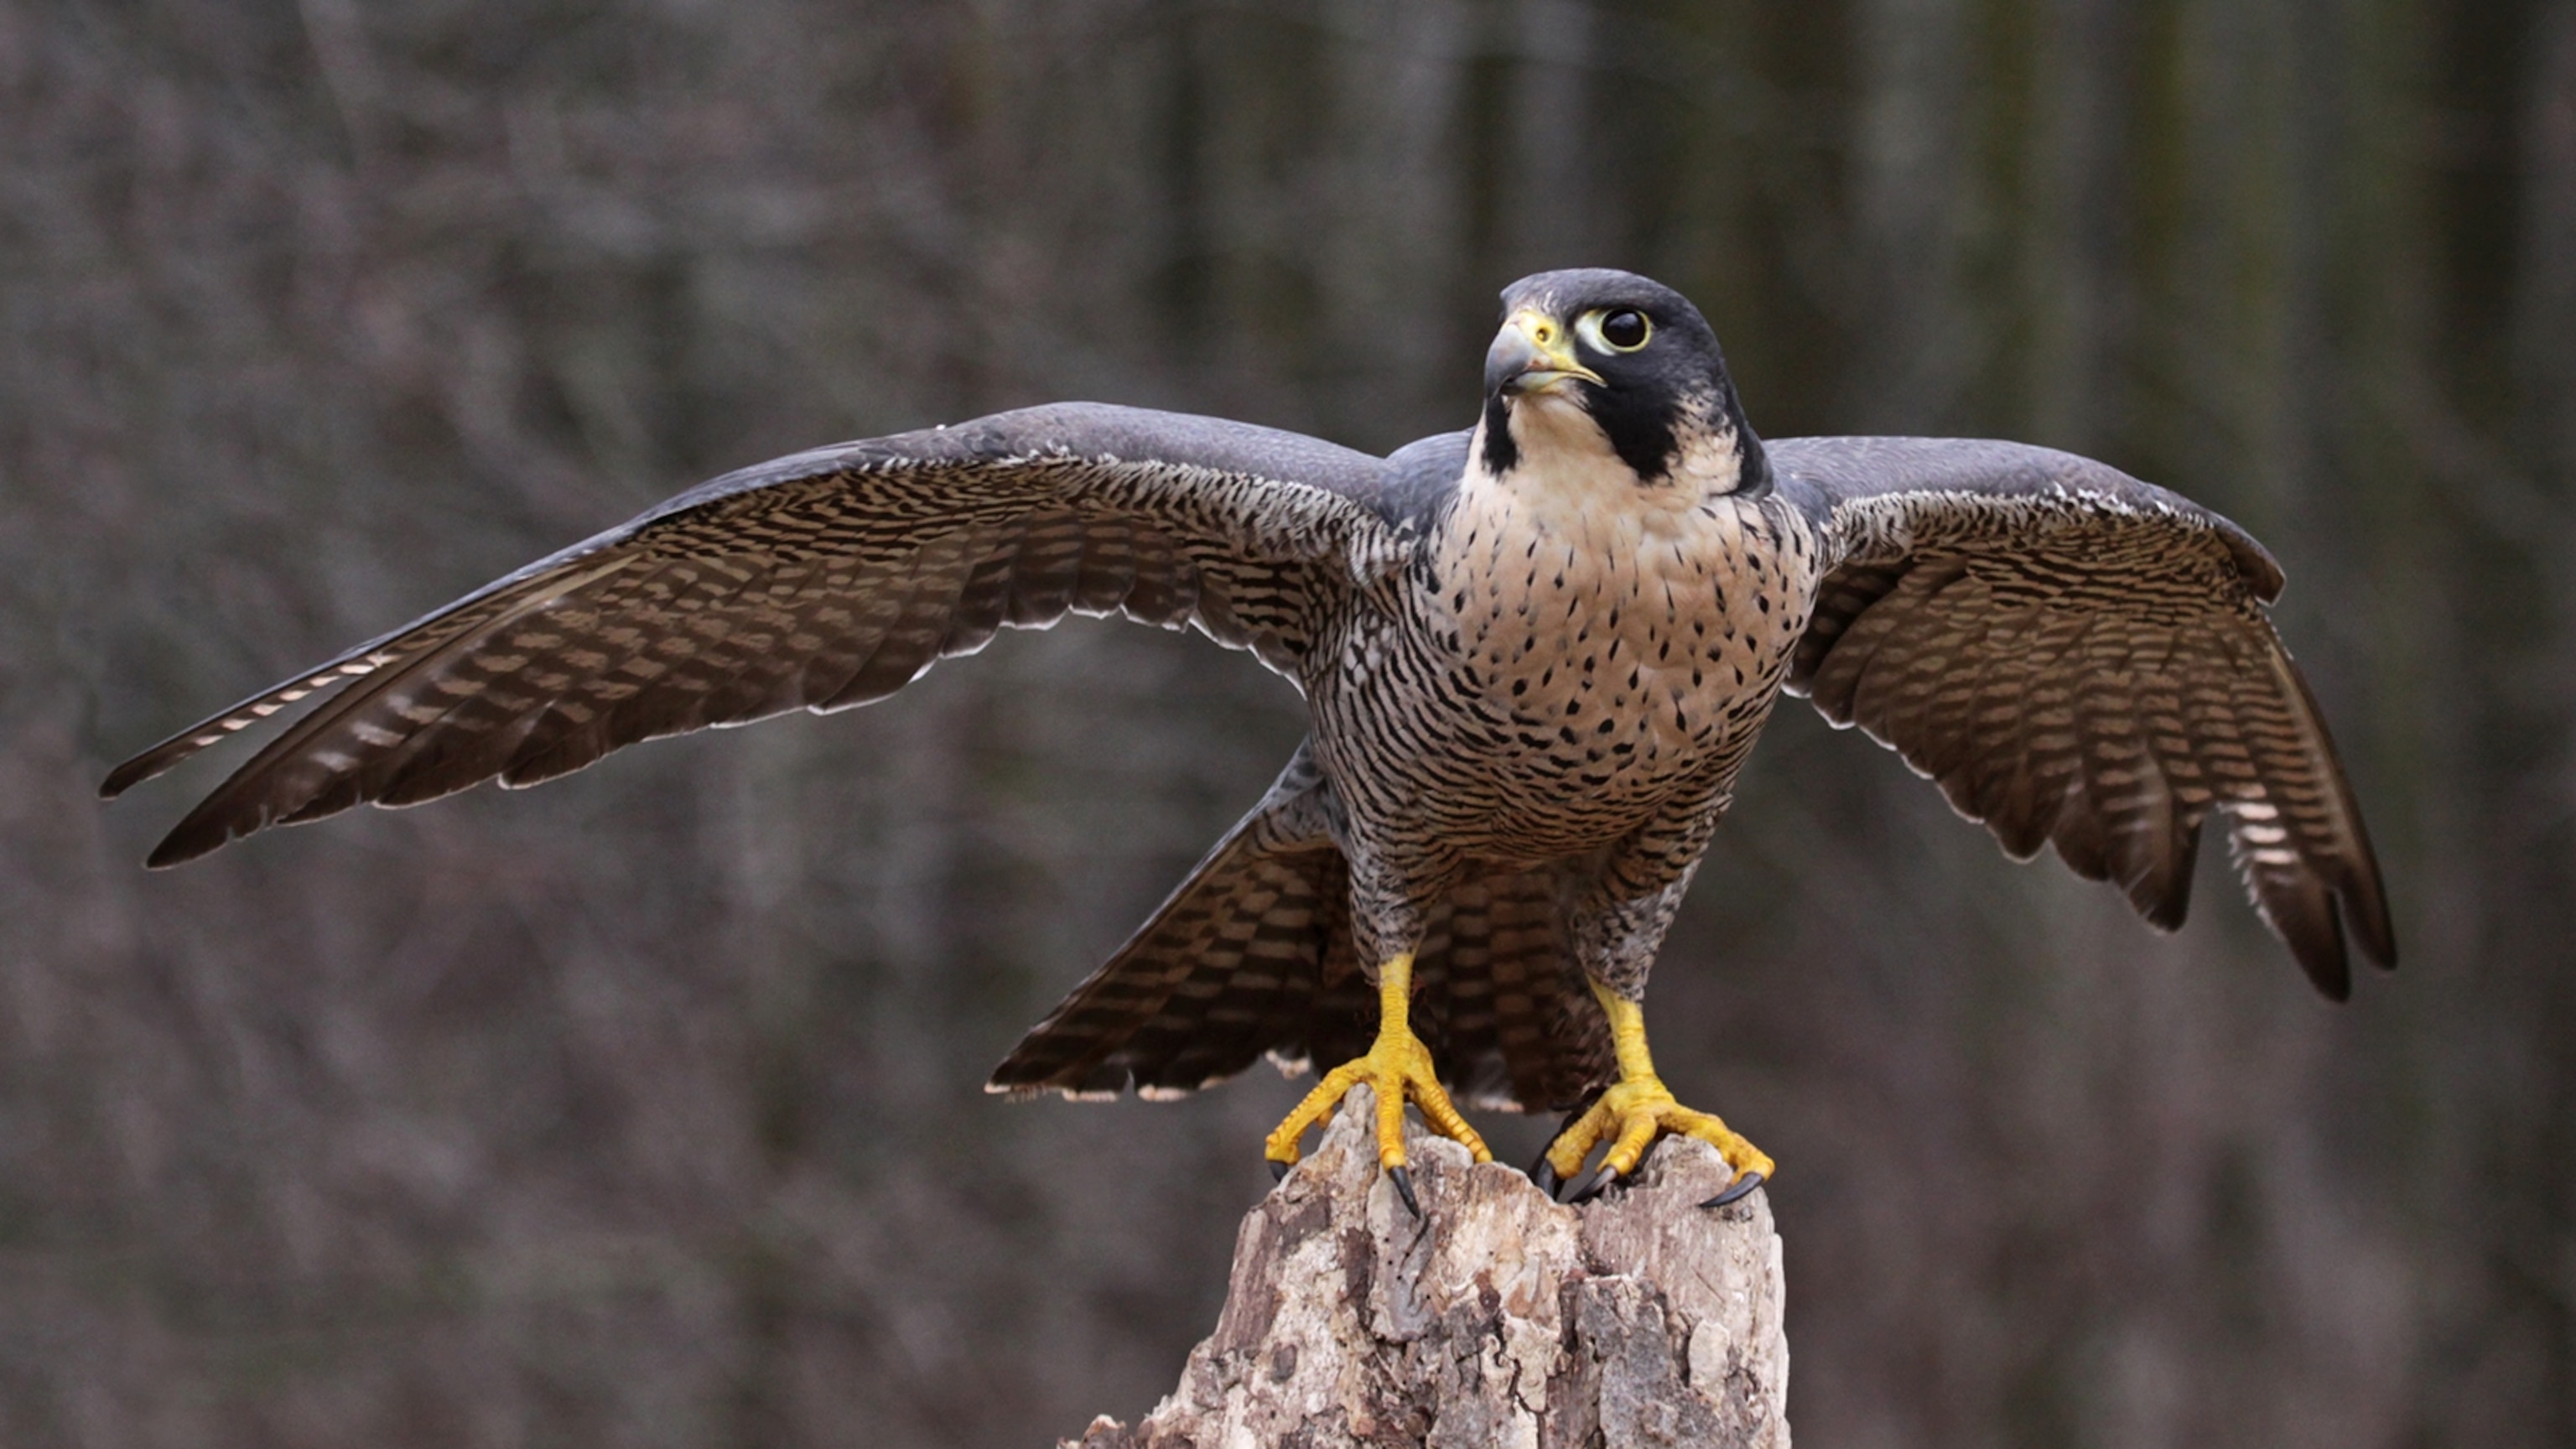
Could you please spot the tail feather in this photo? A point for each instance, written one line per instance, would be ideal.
(1501, 1003)
(1253, 955)
(1255, 963)
(1228, 962)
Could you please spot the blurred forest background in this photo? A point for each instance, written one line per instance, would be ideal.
(644, 1109)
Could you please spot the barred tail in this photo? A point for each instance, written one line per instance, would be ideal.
(1253, 955)
(1501, 1002)
(1231, 965)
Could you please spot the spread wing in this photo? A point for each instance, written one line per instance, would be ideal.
(2083, 659)
(819, 581)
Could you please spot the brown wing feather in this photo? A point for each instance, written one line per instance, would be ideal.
(2081, 659)
(821, 581)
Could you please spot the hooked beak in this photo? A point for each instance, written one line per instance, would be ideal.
(1533, 353)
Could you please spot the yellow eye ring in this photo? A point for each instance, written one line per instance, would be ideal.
(1615, 329)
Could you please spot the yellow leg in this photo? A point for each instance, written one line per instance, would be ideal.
(1639, 1106)
(1398, 1066)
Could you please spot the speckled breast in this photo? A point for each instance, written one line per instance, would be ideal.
(1572, 672)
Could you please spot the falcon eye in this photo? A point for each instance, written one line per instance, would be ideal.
(1623, 329)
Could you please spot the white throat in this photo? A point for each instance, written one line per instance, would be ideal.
(1568, 473)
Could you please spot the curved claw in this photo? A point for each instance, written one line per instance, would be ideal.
(1403, 1181)
(1596, 1184)
(1279, 1170)
(1543, 1173)
(1735, 1190)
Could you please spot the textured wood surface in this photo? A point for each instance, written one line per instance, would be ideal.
(1498, 1318)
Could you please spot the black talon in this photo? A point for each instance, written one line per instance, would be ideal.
(1279, 1170)
(1404, 1189)
(1543, 1172)
(1735, 1190)
(1595, 1184)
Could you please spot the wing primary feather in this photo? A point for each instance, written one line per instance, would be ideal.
(356, 664)
(249, 799)
(1079, 507)
(2127, 682)
(2357, 877)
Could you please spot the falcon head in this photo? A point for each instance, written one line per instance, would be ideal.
(1595, 360)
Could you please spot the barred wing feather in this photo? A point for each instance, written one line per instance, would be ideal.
(818, 581)
(2081, 659)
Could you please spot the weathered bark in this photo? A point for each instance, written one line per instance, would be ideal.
(1497, 1318)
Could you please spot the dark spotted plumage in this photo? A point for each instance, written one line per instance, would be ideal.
(1536, 654)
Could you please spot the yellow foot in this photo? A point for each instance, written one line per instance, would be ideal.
(1633, 1112)
(1630, 1115)
(1397, 1067)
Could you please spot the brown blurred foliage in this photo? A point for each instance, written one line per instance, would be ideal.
(643, 1109)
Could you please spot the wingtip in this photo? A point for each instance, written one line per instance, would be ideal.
(158, 760)
(126, 776)
(203, 831)
(2335, 986)
(2372, 926)
(2328, 964)
(178, 848)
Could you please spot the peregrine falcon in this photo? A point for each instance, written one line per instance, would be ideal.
(1535, 653)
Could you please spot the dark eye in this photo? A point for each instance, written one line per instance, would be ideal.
(1625, 329)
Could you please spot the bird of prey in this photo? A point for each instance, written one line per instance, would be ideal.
(1535, 652)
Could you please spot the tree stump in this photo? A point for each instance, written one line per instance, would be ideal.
(1497, 1318)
